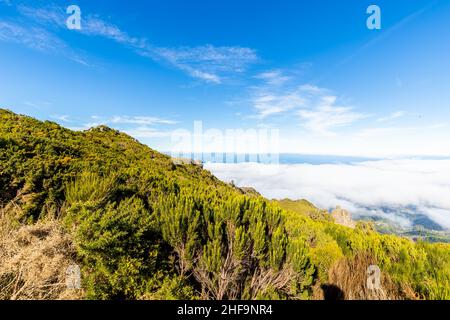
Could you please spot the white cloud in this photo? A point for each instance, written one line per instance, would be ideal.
(94, 26)
(36, 38)
(311, 89)
(392, 116)
(363, 188)
(147, 132)
(274, 77)
(141, 120)
(45, 16)
(32, 104)
(135, 126)
(207, 62)
(275, 97)
(326, 117)
(142, 131)
(63, 118)
(317, 109)
(55, 16)
(268, 104)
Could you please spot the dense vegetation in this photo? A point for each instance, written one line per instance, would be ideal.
(143, 227)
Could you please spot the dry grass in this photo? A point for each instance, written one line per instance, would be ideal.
(347, 280)
(34, 260)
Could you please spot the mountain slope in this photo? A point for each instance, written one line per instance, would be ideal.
(145, 227)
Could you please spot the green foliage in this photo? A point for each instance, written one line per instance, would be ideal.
(119, 246)
(145, 228)
(304, 207)
(90, 187)
(424, 267)
(434, 282)
(226, 245)
(171, 288)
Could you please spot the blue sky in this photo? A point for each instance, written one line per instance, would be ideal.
(311, 69)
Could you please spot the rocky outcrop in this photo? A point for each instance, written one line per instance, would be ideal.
(249, 191)
(186, 161)
(343, 217)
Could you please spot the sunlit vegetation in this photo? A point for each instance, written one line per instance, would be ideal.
(142, 227)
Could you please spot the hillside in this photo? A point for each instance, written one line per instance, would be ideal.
(142, 226)
(383, 226)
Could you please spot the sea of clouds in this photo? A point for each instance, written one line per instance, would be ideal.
(397, 190)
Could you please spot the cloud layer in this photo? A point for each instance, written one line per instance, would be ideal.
(392, 189)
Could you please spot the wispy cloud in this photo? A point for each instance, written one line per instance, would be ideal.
(208, 63)
(55, 17)
(269, 104)
(141, 120)
(129, 120)
(49, 16)
(37, 105)
(37, 38)
(327, 116)
(62, 118)
(274, 97)
(138, 132)
(148, 132)
(273, 77)
(94, 26)
(136, 126)
(392, 116)
(318, 110)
